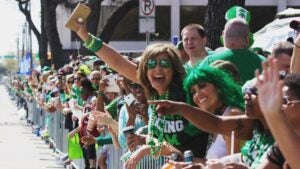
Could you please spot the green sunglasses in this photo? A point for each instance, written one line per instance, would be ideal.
(164, 63)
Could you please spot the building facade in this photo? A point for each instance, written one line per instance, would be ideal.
(170, 17)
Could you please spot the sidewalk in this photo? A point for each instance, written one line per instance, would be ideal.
(20, 149)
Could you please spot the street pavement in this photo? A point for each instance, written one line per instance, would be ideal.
(19, 147)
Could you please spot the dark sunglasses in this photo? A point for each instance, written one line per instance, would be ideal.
(71, 81)
(251, 91)
(77, 78)
(134, 86)
(164, 63)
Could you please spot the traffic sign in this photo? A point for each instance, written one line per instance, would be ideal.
(147, 8)
(147, 25)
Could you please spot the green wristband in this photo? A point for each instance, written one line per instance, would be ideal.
(94, 44)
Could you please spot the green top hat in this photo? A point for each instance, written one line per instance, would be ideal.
(238, 12)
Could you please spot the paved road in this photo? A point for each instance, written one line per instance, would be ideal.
(19, 148)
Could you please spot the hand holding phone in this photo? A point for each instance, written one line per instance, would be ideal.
(112, 83)
(130, 99)
(80, 14)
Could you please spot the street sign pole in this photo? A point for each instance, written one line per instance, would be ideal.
(147, 18)
(147, 33)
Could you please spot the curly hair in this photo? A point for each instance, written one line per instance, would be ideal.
(230, 92)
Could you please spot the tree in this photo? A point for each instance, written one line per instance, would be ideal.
(215, 19)
(40, 36)
(49, 33)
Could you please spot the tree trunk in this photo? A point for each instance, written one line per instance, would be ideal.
(41, 37)
(215, 19)
(57, 54)
(43, 42)
(117, 15)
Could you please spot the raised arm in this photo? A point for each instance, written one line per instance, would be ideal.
(206, 121)
(110, 56)
(270, 101)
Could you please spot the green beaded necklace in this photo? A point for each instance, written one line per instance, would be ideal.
(157, 148)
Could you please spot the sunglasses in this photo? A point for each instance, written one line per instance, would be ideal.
(77, 78)
(251, 91)
(164, 63)
(96, 78)
(287, 102)
(71, 81)
(134, 86)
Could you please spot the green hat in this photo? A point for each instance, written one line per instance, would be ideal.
(238, 12)
(84, 69)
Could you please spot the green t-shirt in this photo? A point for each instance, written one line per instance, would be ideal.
(255, 150)
(245, 60)
(76, 94)
(180, 133)
(114, 106)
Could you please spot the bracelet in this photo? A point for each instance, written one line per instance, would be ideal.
(94, 44)
(296, 45)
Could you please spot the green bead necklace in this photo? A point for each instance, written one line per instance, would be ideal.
(155, 149)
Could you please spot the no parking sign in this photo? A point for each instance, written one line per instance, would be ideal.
(147, 16)
(147, 8)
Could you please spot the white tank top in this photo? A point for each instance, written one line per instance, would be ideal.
(218, 147)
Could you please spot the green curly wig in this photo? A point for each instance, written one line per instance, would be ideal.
(229, 91)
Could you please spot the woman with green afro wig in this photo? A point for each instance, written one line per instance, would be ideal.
(215, 91)
(230, 93)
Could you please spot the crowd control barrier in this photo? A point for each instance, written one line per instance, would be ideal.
(54, 122)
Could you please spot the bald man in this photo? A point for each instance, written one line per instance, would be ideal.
(237, 51)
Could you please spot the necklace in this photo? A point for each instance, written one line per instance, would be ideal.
(156, 148)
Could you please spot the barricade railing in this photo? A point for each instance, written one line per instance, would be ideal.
(58, 134)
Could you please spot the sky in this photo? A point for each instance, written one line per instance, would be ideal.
(12, 25)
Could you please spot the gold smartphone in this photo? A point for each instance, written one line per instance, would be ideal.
(81, 11)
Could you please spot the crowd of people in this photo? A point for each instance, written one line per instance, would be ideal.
(232, 107)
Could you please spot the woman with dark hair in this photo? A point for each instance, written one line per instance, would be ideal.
(213, 90)
(251, 126)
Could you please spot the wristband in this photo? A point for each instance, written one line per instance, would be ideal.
(94, 44)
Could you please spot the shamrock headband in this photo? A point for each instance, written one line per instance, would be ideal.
(239, 12)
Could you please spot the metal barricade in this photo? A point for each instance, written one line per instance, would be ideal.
(58, 134)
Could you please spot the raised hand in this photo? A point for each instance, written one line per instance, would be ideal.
(82, 30)
(270, 88)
